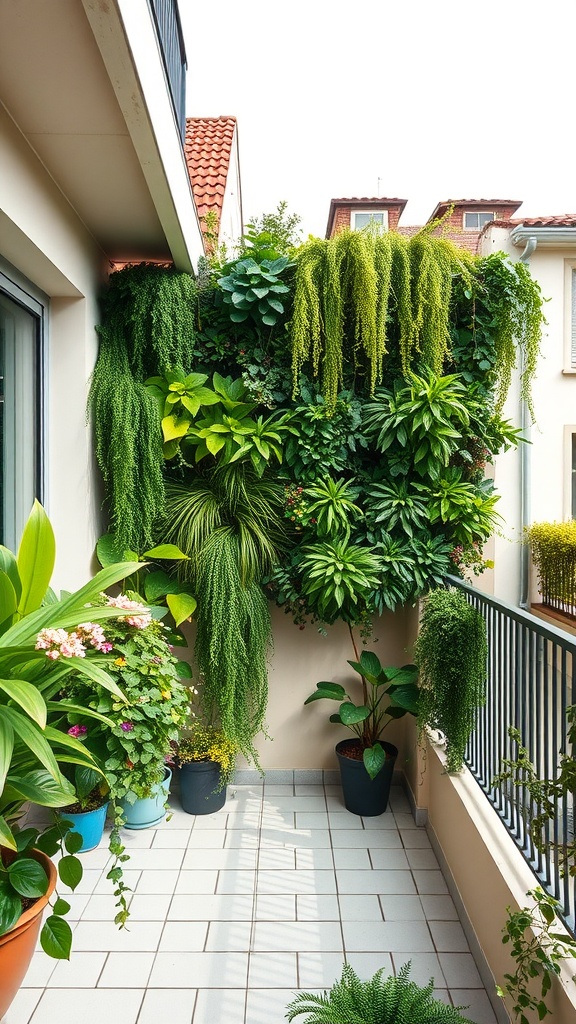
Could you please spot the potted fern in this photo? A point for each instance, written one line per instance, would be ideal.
(381, 1000)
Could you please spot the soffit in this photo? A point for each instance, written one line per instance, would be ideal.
(55, 87)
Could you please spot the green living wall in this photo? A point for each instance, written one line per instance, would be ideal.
(308, 425)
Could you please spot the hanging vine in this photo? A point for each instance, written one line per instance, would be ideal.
(147, 325)
(514, 303)
(433, 264)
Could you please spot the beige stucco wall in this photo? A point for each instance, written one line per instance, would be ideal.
(44, 240)
(554, 396)
(485, 870)
(303, 737)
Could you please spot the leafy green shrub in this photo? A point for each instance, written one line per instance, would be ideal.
(553, 547)
(254, 290)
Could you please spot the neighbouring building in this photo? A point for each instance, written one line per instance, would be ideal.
(212, 154)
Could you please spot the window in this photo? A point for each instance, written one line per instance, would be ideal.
(573, 319)
(476, 221)
(21, 321)
(375, 219)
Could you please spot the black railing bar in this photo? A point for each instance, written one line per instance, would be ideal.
(518, 615)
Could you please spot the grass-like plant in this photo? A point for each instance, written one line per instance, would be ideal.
(381, 1000)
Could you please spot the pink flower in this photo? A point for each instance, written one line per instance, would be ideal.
(140, 621)
(77, 730)
(126, 726)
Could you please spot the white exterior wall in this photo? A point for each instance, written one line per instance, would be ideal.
(554, 397)
(231, 226)
(45, 241)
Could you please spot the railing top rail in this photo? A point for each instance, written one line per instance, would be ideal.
(548, 632)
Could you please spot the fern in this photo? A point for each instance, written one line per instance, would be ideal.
(391, 1000)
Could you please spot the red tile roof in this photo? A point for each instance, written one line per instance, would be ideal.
(443, 206)
(208, 147)
(371, 200)
(561, 220)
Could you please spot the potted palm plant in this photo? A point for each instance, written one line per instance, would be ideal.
(381, 1000)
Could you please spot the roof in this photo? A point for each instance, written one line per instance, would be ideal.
(208, 148)
(561, 220)
(492, 204)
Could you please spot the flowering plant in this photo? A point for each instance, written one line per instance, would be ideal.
(207, 743)
(133, 741)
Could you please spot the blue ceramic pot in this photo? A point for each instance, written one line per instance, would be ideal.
(148, 811)
(90, 825)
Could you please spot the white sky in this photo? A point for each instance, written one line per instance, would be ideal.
(443, 99)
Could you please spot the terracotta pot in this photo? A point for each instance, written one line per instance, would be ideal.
(17, 946)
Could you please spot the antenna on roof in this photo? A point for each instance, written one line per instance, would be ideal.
(378, 186)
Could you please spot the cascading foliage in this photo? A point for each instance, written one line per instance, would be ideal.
(148, 317)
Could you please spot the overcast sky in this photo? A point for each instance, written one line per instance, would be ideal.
(421, 100)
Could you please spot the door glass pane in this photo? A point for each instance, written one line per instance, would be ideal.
(18, 417)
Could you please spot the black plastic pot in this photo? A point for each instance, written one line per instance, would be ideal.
(363, 795)
(199, 792)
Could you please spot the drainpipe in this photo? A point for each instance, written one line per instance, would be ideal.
(525, 467)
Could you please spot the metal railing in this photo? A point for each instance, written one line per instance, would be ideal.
(530, 686)
(169, 28)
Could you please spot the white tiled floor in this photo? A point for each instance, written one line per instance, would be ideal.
(233, 913)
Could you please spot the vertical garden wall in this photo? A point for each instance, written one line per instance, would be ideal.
(311, 428)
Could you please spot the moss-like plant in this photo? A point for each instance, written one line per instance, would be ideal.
(381, 1000)
(451, 652)
(553, 547)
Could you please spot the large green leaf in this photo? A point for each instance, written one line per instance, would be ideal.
(56, 938)
(351, 715)
(406, 697)
(28, 877)
(9, 565)
(168, 551)
(28, 697)
(10, 907)
(70, 871)
(36, 556)
(374, 759)
(7, 837)
(109, 551)
(39, 787)
(182, 606)
(6, 748)
(8, 597)
(87, 667)
(332, 691)
(34, 739)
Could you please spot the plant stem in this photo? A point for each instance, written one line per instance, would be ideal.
(366, 739)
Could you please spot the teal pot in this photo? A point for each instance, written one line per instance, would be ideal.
(147, 811)
(363, 795)
(89, 824)
(199, 787)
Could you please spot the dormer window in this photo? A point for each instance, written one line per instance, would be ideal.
(476, 221)
(376, 220)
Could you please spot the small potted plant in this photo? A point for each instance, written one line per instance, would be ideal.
(367, 761)
(381, 1000)
(206, 759)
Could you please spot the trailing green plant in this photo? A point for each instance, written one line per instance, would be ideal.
(232, 642)
(381, 1000)
(451, 653)
(539, 953)
(513, 302)
(368, 720)
(553, 549)
(548, 796)
(434, 262)
(148, 324)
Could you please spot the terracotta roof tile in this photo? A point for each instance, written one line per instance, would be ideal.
(208, 147)
(561, 220)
